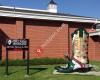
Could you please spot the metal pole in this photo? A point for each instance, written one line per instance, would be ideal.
(28, 62)
(7, 62)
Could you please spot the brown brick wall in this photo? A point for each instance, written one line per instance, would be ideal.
(10, 28)
(91, 49)
(38, 32)
(95, 47)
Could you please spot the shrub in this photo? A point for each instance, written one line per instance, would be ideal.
(35, 61)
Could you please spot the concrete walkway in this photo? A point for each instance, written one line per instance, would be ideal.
(95, 73)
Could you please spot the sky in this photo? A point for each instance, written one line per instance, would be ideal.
(89, 8)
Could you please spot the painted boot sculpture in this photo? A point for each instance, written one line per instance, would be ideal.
(79, 60)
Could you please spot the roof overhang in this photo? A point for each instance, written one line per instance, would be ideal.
(41, 14)
(95, 33)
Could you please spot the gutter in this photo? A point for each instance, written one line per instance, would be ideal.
(42, 14)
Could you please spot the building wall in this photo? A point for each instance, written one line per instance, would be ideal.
(92, 50)
(49, 36)
(10, 28)
(95, 47)
(52, 37)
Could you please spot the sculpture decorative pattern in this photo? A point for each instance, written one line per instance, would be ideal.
(79, 60)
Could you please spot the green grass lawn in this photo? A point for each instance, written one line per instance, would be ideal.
(42, 72)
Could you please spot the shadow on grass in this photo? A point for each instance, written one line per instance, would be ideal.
(32, 71)
(36, 70)
(12, 72)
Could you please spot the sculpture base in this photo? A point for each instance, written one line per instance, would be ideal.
(70, 69)
(79, 73)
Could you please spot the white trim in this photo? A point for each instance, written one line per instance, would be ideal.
(41, 14)
(18, 8)
(96, 33)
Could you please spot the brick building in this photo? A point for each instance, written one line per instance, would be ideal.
(49, 32)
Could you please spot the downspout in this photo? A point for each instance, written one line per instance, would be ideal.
(24, 37)
(68, 42)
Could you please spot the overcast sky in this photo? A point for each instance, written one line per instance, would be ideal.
(90, 8)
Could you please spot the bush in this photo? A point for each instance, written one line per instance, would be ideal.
(46, 61)
(13, 63)
(35, 61)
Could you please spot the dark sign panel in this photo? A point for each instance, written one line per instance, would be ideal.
(17, 44)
